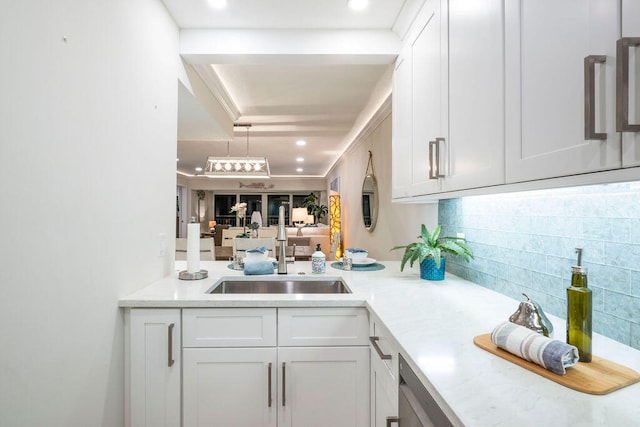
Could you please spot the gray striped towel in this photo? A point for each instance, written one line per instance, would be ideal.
(553, 355)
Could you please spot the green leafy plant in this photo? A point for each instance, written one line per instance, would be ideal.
(311, 203)
(431, 245)
(253, 226)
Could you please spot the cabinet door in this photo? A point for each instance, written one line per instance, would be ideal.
(154, 367)
(476, 94)
(429, 115)
(631, 28)
(546, 43)
(229, 387)
(401, 130)
(323, 386)
(384, 393)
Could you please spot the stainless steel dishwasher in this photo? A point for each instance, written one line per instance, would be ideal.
(416, 406)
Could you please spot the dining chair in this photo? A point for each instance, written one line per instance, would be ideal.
(244, 244)
(207, 249)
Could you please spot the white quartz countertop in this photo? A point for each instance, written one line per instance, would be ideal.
(434, 323)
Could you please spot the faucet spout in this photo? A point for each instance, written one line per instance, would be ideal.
(282, 238)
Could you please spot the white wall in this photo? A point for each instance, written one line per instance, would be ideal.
(87, 177)
(398, 224)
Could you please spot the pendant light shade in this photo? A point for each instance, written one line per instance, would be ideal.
(237, 166)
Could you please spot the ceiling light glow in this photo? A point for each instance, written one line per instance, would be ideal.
(218, 4)
(300, 159)
(299, 170)
(301, 142)
(198, 169)
(358, 4)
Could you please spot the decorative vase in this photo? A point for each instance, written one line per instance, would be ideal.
(429, 271)
(254, 233)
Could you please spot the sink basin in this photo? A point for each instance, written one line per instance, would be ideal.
(282, 286)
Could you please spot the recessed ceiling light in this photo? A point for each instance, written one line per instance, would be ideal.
(299, 159)
(198, 169)
(218, 4)
(177, 160)
(358, 4)
(299, 170)
(301, 142)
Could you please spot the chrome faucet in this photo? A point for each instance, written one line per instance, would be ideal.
(282, 238)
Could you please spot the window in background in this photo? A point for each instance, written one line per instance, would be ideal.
(222, 208)
(273, 204)
(254, 203)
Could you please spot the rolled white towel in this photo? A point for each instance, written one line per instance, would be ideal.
(553, 355)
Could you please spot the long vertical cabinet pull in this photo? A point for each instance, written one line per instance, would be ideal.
(170, 360)
(283, 384)
(434, 159)
(590, 97)
(269, 385)
(623, 46)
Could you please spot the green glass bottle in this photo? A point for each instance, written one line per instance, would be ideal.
(579, 311)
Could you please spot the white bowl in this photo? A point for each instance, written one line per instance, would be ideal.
(356, 256)
(256, 256)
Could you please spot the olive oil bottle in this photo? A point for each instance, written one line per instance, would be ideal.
(579, 311)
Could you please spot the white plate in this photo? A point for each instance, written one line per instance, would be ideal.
(366, 261)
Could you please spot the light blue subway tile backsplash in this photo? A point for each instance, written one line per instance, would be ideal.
(525, 242)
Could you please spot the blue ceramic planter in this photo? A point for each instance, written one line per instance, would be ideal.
(429, 271)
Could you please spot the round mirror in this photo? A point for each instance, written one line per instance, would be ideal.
(369, 202)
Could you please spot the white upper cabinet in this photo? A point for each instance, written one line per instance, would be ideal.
(448, 93)
(548, 87)
(401, 149)
(631, 30)
(428, 47)
(476, 95)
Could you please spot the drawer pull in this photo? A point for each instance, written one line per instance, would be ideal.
(170, 360)
(590, 97)
(374, 343)
(283, 385)
(269, 385)
(622, 84)
(391, 420)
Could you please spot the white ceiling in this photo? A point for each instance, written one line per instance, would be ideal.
(324, 100)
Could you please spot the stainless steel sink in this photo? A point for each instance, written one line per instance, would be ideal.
(283, 286)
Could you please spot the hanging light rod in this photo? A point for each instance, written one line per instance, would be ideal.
(237, 167)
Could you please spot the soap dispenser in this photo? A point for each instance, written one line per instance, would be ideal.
(579, 304)
(318, 261)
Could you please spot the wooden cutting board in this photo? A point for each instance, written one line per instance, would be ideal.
(600, 376)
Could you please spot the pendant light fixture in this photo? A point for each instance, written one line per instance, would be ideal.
(237, 167)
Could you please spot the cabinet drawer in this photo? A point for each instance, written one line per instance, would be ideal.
(338, 326)
(387, 346)
(229, 327)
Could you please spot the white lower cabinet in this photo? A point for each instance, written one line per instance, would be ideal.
(153, 367)
(384, 376)
(267, 382)
(230, 387)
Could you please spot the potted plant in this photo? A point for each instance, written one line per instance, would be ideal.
(311, 203)
(428, 252)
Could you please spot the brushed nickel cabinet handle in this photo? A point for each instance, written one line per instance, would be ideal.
(269, 385)
(434, 159)
(590, 97)
(623, 46)
(170, 360)
(374, 343)
(391, 420)
(283, 384)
